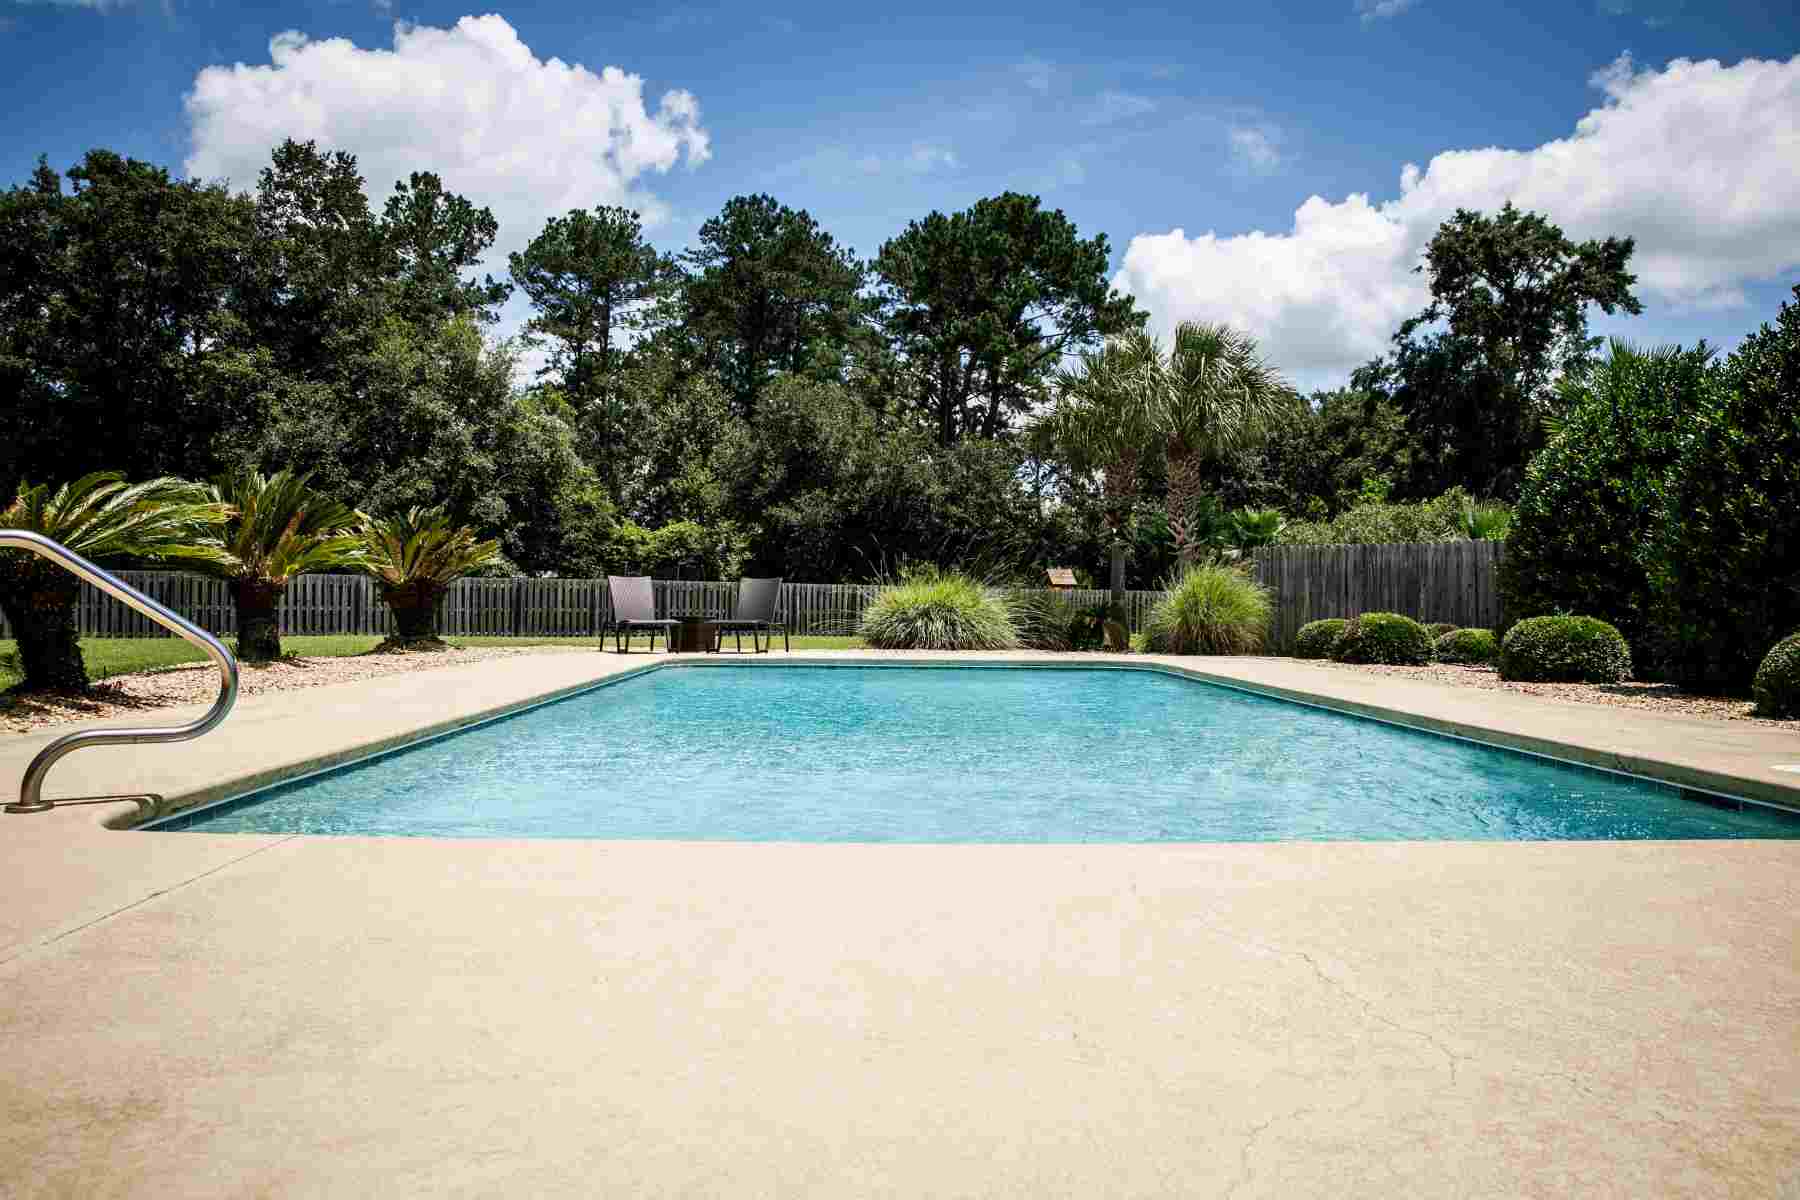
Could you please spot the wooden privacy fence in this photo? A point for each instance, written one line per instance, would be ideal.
(1430, 581)
(350, 604)
(1440, 581)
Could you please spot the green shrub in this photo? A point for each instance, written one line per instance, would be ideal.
(1448, 518)
(1316, 638)
(1728, 579)
(1440, 628)
(1211, 609)
(1777, 685)
(1564, 649)
(1468, 646)
(1047, 620)
(709, 551)
(1384, 638)
(1584, 532)
(934, 609)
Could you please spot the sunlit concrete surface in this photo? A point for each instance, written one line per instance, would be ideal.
(225, 1015)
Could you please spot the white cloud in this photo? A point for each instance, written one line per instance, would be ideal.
(1254, 151)
(1697, 161)
(527, 137)
(1110, 107)
(1380, 10)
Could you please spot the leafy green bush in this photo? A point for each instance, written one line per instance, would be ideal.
(1210, 609)
(1728, 577)
(1585, 529)
(1439, 628)
(1374, 522)
(1564, 649)
(1468, 646)
(706, 551)
(935, 609)
(1777, 685)
(1316, 638)
(1384, 638)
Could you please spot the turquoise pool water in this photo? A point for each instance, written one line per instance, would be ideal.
(922, 754)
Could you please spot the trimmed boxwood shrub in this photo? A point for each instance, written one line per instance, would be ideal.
(1384, 638)
(1564, 649)
(1468, 646)
(1777, 686)
(1316, 638)
(1440, 628)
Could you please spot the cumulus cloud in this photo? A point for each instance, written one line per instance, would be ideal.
(1380, 10)
(527, 137)
(1696, 161)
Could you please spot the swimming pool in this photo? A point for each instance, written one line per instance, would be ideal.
(915, 753)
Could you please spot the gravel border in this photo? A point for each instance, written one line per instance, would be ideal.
(1646, 697)
(198, 683)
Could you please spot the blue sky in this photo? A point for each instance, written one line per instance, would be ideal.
(1137, 121)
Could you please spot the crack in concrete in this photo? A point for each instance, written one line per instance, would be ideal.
(1246, 1172)
(1451, 1058)
(45, 943)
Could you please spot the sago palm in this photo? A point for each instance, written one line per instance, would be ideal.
(1211, 395)
(1100, 423)
(414, 558)
(100, 517)
(279, 529)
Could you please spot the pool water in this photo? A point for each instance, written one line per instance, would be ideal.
(963, 754)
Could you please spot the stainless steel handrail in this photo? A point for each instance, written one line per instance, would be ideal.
(31, 789)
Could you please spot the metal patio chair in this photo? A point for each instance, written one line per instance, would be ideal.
(634, 607)
(755, 612)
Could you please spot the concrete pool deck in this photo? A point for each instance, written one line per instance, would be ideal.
(199, 1014)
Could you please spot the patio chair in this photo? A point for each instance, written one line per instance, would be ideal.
(634, 607)
(756, 612)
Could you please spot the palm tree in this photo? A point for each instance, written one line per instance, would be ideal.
(279, 529)
(414, 559)
(98, 516)
(1210, 396)
(1100, 423)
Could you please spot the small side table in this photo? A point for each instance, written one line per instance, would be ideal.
(695, 635)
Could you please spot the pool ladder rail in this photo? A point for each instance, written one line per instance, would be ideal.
(31, 788)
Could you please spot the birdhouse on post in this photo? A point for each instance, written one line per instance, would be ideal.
(1061, 578)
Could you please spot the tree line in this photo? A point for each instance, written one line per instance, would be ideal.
(763, 400)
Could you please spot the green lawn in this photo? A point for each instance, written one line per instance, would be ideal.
(122, 656)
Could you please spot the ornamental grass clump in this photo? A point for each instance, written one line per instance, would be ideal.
(1564, 649)
(1316, 638)
(1468, 646)
(1210, 609)
(1387, 638)
(1777, 684)
(934, 609)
